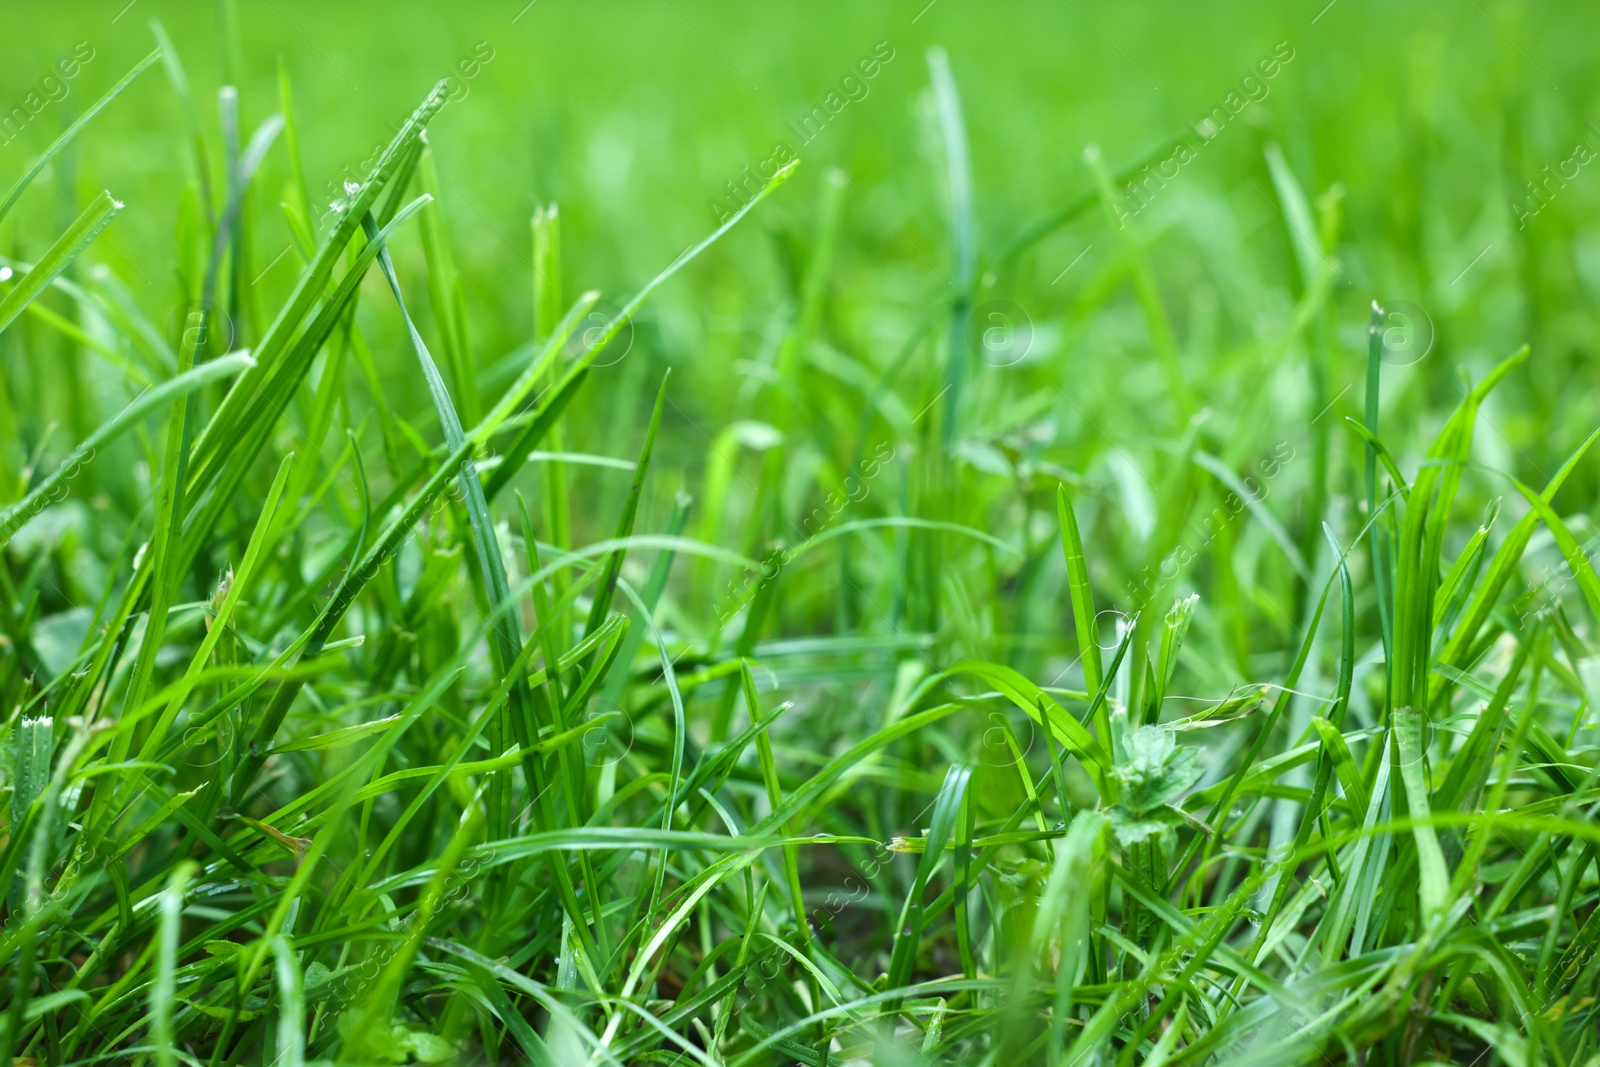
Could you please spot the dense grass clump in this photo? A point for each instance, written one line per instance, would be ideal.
(412, 656)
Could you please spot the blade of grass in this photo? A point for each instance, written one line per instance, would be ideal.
(176, 388)
(630, 511)
(1083, 614)
(163, 993)
(94, 218)
(72, 131)
(908, 929)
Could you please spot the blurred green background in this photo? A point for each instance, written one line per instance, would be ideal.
(633, 115)
(1429, 119)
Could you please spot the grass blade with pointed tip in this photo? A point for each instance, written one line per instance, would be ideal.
(908, 930)
(1083, 614)
(72, 131)
(630, 512)
(229, 422)
(79, 235)
(173, 389)
(491, 563)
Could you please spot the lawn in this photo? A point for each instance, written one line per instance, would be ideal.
(675, 532)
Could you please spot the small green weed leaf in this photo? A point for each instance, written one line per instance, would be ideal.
(1156, 772)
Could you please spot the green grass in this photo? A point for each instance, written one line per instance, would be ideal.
(938, 606)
